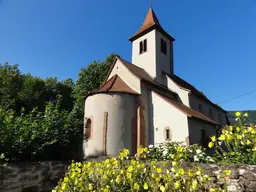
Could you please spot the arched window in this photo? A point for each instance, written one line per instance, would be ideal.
(167, 134)
(200, 108)
(210, 113)
(88, 128)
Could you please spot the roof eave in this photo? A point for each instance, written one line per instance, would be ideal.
(155, 26)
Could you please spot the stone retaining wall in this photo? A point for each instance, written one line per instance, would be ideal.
(31, 177)
(43, 176)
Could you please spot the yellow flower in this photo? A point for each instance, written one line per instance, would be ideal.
(177, 184)
(190, 173)
(238, 129)
(227, 172)
(65, 179)
(229, 137)
(213, 138)
(181, 171)
(90, 187)
(210, 145)
(230, 128)
(133, 162)
(222, 137)
(248, 142)
(158, 170)
(105, 190)
(246, 115)
(198, 172)
(194, 184)
(145, 186)
(118, 179)
(238, 114)
(136, 186)
(162, 188)
(254, 148)
(129, 175)
(239, 136)
(141, 150)
(64, 186)
(179, 149)
(130, 168)
(174, 163)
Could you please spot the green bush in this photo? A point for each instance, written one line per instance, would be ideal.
(48, 135)
(121, 175)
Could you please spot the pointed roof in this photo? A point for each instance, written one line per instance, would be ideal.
(115, 84)
(151, 22)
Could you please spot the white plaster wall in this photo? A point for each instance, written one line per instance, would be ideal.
(121, 109)
(130, 79)
(146, 60)
(194, 103)
(183, 94)
(164, 62)
(164, 115)
(195, 127)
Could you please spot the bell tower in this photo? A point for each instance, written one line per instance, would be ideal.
(152, 47)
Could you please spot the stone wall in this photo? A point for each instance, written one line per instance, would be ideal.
(31, 177)
(242, 178)
(43, 176)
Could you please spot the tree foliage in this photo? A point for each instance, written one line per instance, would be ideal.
(42, 119)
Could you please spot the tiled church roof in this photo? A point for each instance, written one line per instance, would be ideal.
(182, 83)
(187, 110)
(115, 84)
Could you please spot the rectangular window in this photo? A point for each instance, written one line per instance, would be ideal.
(167, 134)
(163, 47)
(143, 46)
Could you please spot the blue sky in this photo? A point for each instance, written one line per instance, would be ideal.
(215, 47)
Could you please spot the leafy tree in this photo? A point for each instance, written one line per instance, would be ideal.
(10, 84)
(91, 78)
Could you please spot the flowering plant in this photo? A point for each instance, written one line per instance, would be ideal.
(236, 144)
(121, 175)
(179, 152)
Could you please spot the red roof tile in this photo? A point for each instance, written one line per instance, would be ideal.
(187, 110)
(115, 84)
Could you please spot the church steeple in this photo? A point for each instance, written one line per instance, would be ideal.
(150, 22)
(152, 47)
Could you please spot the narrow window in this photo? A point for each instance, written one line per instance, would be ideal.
(163, 47)
(143, 46)
(167, 134)
(200, 108)
(88, 128)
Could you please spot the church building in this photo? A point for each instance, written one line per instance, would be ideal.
(144, 103)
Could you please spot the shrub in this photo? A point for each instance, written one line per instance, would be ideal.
(120, 174)
(48, 135)
(236, 144)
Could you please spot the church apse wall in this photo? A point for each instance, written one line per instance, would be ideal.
(112, 120)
